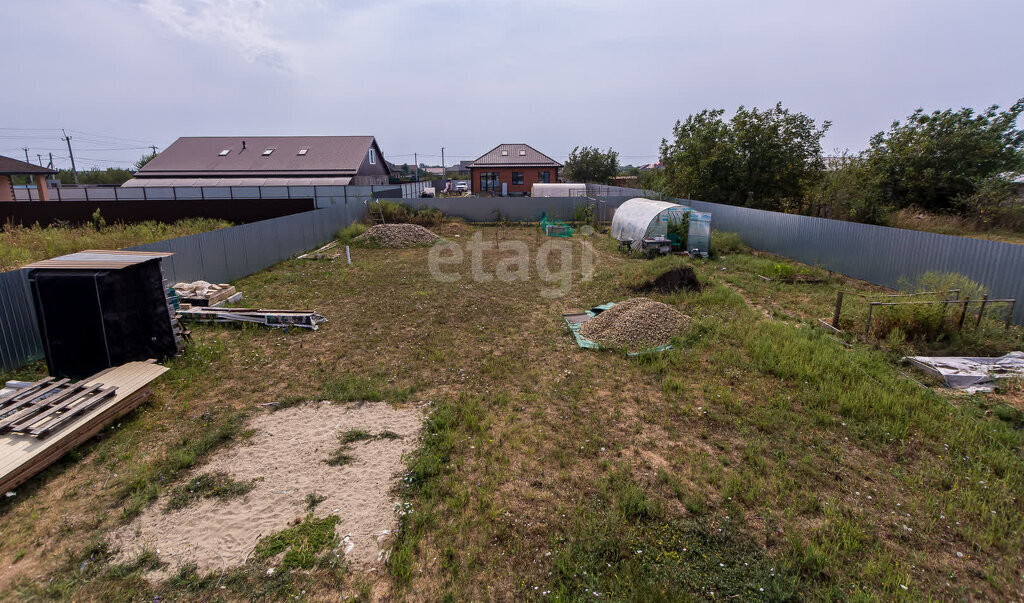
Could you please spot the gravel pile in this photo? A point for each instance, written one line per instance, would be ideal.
(636, 324)
(397, 235)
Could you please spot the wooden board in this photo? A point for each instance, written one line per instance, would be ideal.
(22, 456)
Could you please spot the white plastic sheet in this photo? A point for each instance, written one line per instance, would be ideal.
(639, 217)
(971, 372)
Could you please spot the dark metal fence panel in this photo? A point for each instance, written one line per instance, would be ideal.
(19, 333)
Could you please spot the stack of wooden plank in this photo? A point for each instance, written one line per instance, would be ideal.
(305, 319)
(203, 294)
(126, 386)
(47, 406)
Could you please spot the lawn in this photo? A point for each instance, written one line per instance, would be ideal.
(20, 245)
(761, 458)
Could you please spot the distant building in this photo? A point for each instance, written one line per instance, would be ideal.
(14, 167)
(511, 169)
(460, 169)
(266, 161)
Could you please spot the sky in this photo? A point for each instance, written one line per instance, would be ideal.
(466, 75)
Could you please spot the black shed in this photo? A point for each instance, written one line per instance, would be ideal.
(97, 309)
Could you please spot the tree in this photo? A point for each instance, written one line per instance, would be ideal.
(144, 160)
(96, 176)
(590, 164)
(765, 159)
(934, 159)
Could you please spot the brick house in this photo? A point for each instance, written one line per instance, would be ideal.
(511, 169)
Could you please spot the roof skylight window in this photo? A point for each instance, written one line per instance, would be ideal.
(267, 152)
(224, 152)
(302, 152)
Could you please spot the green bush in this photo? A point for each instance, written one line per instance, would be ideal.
(345, 235)
(726, 242)
(931, 322)
(394, 212)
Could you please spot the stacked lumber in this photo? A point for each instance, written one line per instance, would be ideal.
(23, 455)
(305, 319)
(47, 406)
(202, 293)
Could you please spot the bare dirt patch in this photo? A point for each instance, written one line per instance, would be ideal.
(288, 451)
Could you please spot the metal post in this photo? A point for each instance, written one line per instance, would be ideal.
(981, 310)
(963, 313)
(867, 327)
(1009, 315)
(839, 307)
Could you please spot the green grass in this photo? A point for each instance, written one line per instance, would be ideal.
(346, 235)
(355, 435)
(20, 245)
(313, 500)
(304, 545)
(349, 388)
(145, 482)
(207, 485)
(544, 468)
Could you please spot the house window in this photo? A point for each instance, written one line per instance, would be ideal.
(267, 152)
(544, 177)
(522, 152)
(489, 181)
(224, 152)
(517, 177)
(504, 152)
(373, 156)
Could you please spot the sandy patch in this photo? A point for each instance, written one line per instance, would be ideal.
(288, 451)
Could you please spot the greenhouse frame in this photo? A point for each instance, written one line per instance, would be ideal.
(639, 217)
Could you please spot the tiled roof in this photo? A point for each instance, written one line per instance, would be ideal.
(205, 156)
(513, 155)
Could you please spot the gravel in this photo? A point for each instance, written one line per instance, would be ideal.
(397, 235)
(635, 324)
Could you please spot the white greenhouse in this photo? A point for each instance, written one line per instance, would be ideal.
(559, 189)
(639, 218)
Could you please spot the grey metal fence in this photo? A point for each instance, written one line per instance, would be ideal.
(217, 256)
(19, 333)
(891, 257)
(886, 256)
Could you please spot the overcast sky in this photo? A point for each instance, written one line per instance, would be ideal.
(469, 74)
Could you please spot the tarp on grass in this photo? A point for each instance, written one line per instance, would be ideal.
(583, 342)
(971, 372)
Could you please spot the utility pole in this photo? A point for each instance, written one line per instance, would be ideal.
(416, 160)
(26, 154)
(444, 170)
(153, 146)
(51, 162)
(71, 154)
(39, 156)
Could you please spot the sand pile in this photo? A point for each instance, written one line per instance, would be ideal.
(636, 324)
(287, 456)
(397, 235)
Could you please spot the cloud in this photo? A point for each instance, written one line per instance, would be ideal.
(240, 25)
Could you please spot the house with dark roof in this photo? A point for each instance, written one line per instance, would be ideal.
(511, 169)
(15, 167)
(266, 161)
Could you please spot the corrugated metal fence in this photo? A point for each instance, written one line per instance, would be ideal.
(885, 256)
(217, 256)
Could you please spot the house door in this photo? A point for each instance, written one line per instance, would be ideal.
(504, 189)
